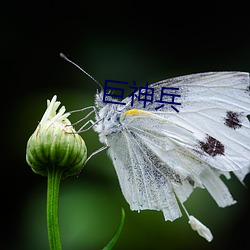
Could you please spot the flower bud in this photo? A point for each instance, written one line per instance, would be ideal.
(55, 144)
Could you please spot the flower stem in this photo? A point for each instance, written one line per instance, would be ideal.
(53, 185)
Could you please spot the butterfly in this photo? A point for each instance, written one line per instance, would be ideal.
(161, 156)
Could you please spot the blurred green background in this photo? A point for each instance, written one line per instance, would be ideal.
(117, 40)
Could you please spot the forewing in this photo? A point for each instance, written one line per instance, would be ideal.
(213, 107)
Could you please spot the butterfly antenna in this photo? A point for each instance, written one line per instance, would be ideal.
(68, 60)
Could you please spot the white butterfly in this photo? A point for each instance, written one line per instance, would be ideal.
(160, 156)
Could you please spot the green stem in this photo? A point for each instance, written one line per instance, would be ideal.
(54, 177)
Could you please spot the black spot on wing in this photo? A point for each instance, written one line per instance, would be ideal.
(212, 146)
(233, 119)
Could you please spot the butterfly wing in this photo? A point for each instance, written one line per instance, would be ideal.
(161, 153)
(141, 184)
(214, 106)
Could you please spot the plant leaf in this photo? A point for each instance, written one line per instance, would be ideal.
(117, 234)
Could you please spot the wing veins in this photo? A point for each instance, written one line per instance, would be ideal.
(157, 169)
(144, 184)
(130, 153)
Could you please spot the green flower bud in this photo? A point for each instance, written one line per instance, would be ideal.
(55, 144)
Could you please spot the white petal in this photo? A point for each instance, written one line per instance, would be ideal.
(50, 110)
(51, 114)
(200, 228)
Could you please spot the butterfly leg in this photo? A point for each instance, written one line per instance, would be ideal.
(82, 128)
(86, 116)
(96, 152)
(91, 155)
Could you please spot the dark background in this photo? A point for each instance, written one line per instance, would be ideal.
(125, 41)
